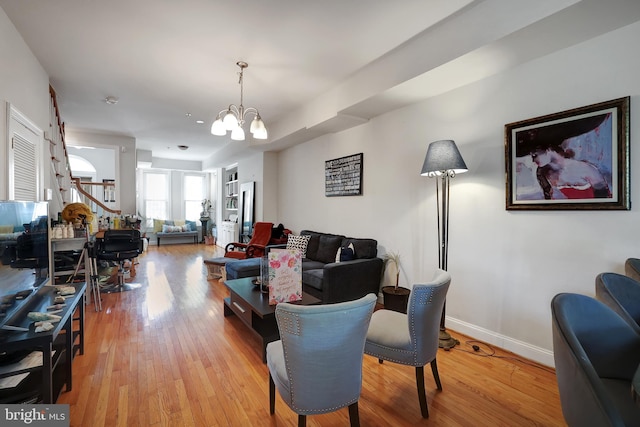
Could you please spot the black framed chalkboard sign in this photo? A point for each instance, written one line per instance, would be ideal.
(343, 176)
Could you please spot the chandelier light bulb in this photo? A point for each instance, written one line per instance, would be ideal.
(258, 128)
(237, 134)
(260, 134)
(230, 121)
(256, 123)
(217, 128)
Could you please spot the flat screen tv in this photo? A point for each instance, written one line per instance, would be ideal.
(24, 252)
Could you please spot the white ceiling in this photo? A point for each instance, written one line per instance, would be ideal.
(314, 66)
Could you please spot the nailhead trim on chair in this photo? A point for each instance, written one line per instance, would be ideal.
(291, 325)
(425, 297)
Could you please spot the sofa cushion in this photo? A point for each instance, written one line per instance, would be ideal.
(314, 242)
(171, 228)
(309, 264)
(312, 247)
(192, 225)
(298, 242)
(363, 248)
(313, 278)
(157, 225)
(328, 245)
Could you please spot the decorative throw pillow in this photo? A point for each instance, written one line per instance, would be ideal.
(171, 228)
(185, 227)
(346, 253)
(157, 225)
(6, 229)
(192, 225)
(298, 242)
(179, 222)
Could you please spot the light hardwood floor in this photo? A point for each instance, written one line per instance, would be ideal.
(165, 355)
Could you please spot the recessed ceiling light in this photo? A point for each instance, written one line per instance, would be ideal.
(183, 147)
(200, 122)
(111, 100)
(187, 114)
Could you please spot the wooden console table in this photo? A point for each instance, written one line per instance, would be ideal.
(58, 346)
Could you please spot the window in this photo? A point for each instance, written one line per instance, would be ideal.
(194, 193)
(156, 196)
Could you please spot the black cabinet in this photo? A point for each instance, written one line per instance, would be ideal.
(58, 347)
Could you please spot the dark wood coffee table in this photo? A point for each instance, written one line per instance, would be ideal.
(252, 307)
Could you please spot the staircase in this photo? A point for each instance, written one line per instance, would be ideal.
(67, 188)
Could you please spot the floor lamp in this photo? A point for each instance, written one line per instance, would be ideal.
(443, 161)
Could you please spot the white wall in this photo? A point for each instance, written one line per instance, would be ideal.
(269, 193)
(263, 169)
(24, 84)
(506, 266)
(102, 159)
(251, 169)
(125, 162)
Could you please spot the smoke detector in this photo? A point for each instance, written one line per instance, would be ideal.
(111, 100)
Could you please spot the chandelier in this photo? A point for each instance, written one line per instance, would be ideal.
(233, 118)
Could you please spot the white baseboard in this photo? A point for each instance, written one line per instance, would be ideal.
(521, 348)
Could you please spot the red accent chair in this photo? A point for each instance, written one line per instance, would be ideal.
(255, 247)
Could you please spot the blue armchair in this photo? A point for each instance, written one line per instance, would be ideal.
(317, 363)
(622, 294)
(596, 354)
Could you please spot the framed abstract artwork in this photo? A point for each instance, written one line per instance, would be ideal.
(572, 160)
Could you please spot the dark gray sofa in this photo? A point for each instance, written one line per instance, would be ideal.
(333, 281)
(324, 278)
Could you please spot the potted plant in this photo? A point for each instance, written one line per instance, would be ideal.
(395, 297)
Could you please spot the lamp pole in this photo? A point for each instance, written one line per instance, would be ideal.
(445, 340)
(443, 161)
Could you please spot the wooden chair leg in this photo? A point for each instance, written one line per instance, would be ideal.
(434, 369)
(302, 420)
(422, 395)
(272, 395)
(354, 416)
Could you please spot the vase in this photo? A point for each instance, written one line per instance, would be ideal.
(264, 274)
(395, 299)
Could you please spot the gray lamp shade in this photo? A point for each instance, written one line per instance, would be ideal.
(443, 156)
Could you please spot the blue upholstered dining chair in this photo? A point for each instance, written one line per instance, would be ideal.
(596, 354)
(317, 363)
(622, 294)
(412, 338)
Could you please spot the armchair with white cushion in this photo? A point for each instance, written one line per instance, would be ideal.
(412, 338)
